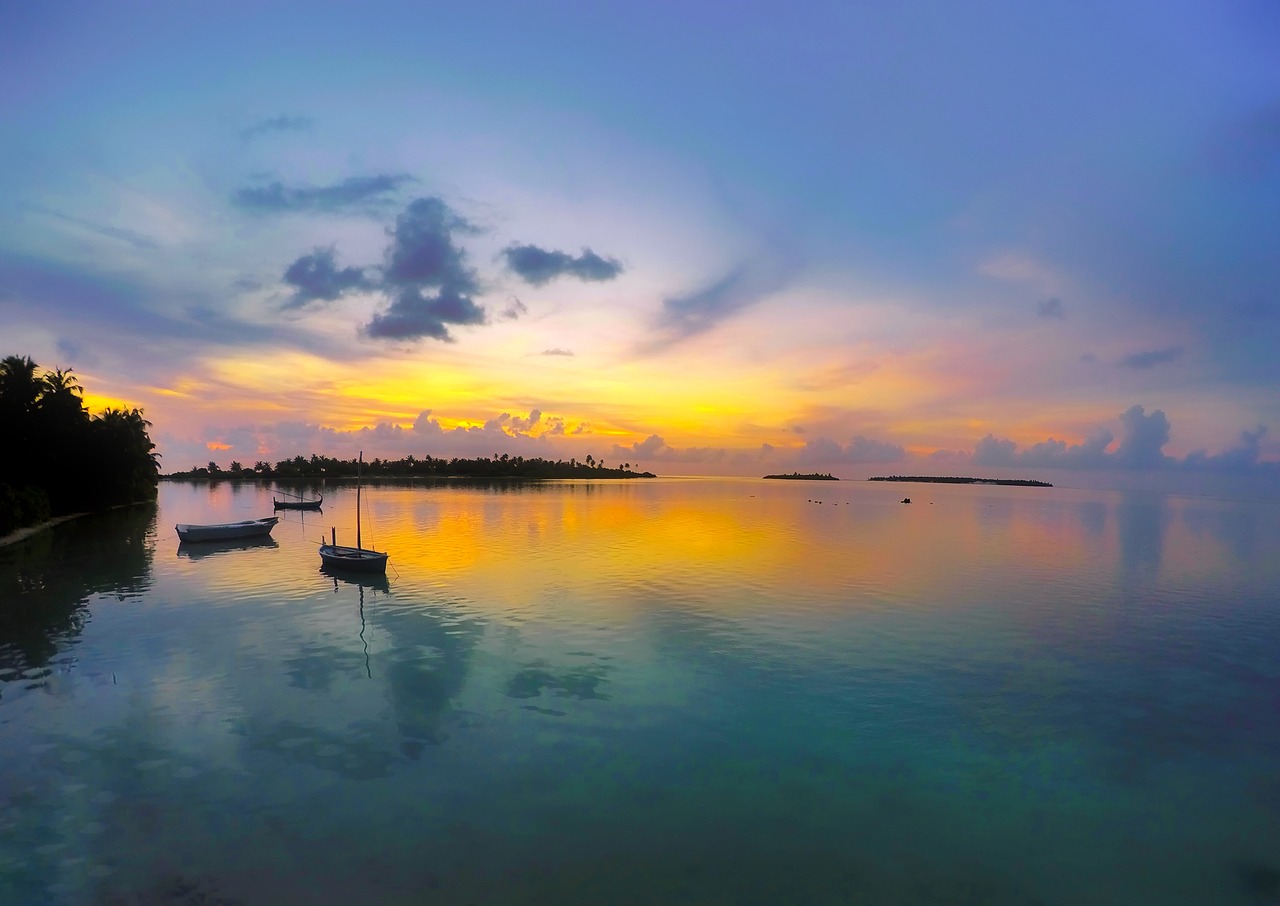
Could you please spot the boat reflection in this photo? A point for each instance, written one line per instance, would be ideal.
(215, 548)
(375, 581)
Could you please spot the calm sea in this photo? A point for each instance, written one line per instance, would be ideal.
(669, 691)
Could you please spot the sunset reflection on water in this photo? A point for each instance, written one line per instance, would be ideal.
(994, 689)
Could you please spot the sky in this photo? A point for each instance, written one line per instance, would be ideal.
(701, 238)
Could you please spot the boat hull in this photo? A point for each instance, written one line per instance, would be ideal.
(227, 531)
(296, 504)
(352, 559)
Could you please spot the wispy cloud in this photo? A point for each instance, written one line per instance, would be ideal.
(1019, 267)
(354, 193)
(1051, 308)
(130, 237)
(682, 317)
(515, 308)
(281, 123)
(540, 266)
(557, 351)
(1151, 358)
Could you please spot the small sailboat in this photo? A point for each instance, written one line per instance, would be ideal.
(353, 559)
(297, 503)
(226, 531)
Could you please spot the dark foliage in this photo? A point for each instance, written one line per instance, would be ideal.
(808, 476)
(325, 467)
(947, 479)
(56, 458)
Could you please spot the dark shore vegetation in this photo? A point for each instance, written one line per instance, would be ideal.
(808, 476)
(317, 468)
(56, 458)
(948, 479)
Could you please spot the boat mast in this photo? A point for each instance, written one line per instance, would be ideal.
(359, 463)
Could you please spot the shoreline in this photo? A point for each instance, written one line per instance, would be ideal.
(27, 531)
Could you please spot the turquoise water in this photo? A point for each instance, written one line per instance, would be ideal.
(669, 691)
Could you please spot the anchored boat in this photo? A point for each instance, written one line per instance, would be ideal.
(355, 559)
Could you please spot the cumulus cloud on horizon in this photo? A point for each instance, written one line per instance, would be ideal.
(859, 450)
(1141, 447)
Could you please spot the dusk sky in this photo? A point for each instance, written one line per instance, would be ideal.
(707, 238)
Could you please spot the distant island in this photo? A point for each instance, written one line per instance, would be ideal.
(946, 479)
(316, 468)
(809, 476)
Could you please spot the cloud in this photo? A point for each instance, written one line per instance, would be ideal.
(1140, 447)
(860, 449)
(515, 308)
(281, 123)
(1244, 455)
(557, 351)
(315, 277)
(1050, 308)
(1144, 439)
(1151, 358)
(654, 448)
(353, 193)
(412, 316)
(687, 316)
(130, 237)
(1019, 267)
(539, 266)
(423, 252)
(423, 257)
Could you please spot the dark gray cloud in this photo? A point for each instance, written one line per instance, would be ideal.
(539, 266)
(412, 316)
(427, 276)
(281, 123)
(354, 193)
(1151, 358)
(423, 252)
(316, 277)
(1050, 308)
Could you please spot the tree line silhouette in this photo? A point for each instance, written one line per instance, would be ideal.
(326, 467)
(56, 458)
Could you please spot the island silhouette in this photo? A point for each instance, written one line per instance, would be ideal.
(950, 479)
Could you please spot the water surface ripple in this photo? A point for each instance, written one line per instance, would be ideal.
(668, 691)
